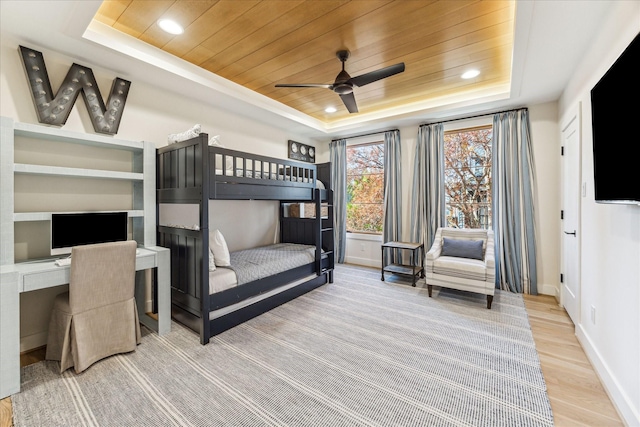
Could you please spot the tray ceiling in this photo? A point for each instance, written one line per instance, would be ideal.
(257, 44)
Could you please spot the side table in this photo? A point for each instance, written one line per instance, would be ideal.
(413, 268)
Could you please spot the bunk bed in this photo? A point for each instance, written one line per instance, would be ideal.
(192, 172)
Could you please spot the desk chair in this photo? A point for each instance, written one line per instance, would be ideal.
(462, 259)
(98, 317)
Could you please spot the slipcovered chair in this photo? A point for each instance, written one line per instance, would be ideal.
(462, 259)
(97, 317)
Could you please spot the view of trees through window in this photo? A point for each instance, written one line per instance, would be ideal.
(467, 182)
(365, 187)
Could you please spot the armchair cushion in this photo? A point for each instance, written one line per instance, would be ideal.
(462, 248)
(460, 267)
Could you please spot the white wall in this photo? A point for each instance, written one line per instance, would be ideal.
(150, 114)
(610, 244)
(365, 249)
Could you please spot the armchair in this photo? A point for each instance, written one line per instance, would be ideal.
(457, 260)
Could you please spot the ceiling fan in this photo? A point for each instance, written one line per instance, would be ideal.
(344, 83)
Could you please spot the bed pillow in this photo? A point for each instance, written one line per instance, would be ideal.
(462, 248)
(218, 247)
(320, 184)
(183, 136)
(212, 261)
(215, 141)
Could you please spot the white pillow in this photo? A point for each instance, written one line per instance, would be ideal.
(320, 184)
(212, 262)
(215, 140)
(218, 247)
(183, 136)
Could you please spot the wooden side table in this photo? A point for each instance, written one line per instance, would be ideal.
(413, 268)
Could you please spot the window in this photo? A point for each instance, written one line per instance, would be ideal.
(365, 187)
(467, 177)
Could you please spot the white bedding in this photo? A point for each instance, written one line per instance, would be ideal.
(254, 264)
(220, 279)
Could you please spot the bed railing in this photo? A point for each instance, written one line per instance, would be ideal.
(239, 175)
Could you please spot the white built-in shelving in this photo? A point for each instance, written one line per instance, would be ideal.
(142, 178)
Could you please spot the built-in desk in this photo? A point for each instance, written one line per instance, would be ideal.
(31, 276)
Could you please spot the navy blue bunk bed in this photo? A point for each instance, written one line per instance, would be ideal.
(192, 172)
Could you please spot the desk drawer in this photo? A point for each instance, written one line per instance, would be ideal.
(44, 279)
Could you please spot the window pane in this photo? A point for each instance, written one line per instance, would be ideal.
(365, 187)
(467, 178)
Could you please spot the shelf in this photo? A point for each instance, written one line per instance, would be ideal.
(402, 269)
(59, 135)
(46, 216)
(75, 172)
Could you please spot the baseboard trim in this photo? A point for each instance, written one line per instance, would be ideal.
(619, 398)
(34, 341)
(547, 289)
(367, 262)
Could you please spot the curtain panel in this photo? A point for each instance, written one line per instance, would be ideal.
(427, 194)
(338, 159)
(513, 218)
(392, 224)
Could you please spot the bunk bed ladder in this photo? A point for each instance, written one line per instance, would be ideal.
(324, 234)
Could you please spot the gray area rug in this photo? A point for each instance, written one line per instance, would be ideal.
(355, 352)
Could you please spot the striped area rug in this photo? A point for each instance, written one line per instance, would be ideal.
(355, 352)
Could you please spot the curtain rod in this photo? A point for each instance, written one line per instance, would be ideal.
(366, 134)
(476, 116)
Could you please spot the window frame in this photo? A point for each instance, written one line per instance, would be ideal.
(375, 141)
(463, 129)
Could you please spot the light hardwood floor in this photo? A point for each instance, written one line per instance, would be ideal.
(575, 392)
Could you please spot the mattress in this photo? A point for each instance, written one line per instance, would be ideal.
(257, 263)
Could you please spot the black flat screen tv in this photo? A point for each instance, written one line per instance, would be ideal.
(76, 229)
(615, 115)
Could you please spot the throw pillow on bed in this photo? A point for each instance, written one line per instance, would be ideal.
(219, 248)
(212, 262)
(462, 248)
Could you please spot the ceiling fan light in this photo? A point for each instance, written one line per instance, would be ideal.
(330, 110)
(170, 26)
(470, 74)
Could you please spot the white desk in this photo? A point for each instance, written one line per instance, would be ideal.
(26, 277)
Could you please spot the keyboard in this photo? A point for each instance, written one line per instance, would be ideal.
(63, 262)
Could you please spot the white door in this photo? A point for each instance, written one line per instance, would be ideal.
(570, 288)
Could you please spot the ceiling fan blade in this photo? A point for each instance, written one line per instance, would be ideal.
(373, 76)
(350, 102)
(305, 85)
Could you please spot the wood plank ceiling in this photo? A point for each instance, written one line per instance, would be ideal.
(260, 43)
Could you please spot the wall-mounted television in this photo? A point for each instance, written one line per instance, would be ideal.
(615, 114)
(76, 229)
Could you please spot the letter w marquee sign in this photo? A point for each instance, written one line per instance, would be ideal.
(54, 110)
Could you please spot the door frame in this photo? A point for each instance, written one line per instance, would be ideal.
(575, 114)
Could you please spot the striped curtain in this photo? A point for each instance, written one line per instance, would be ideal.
(392, 229)
(513, 219)
(338, 159)
(427, 194)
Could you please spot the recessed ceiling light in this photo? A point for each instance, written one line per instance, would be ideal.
(470, 74)
(170, 26)
(330, 110)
